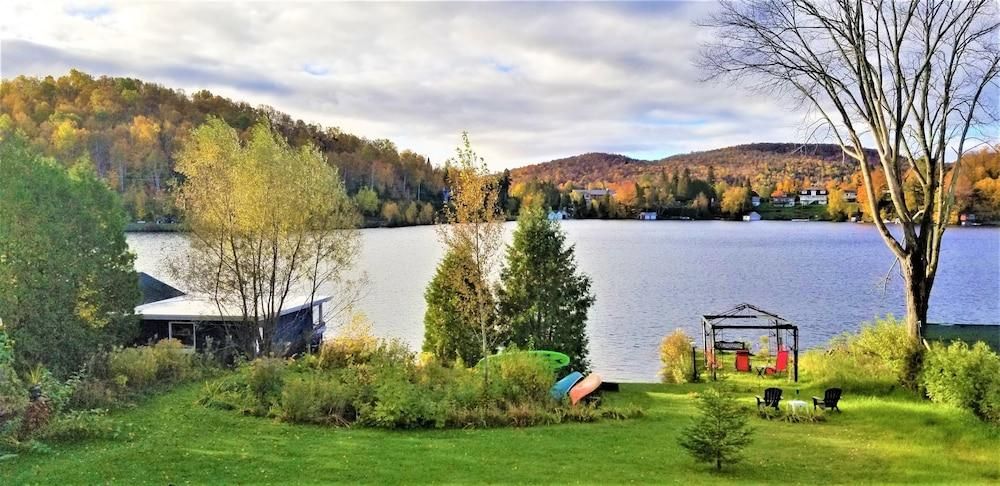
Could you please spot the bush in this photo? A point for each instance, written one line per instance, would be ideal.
(79, 425)
(675, 354)
(13, 395)
(317, 399)
(267, 375)
(354, 345)
(142, 367)
(875, 360)
(720, 432)
(519, 377)
(964, 376)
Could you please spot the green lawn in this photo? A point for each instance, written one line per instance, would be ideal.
(172, 440)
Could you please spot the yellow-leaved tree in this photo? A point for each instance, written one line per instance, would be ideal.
(474, 228)
(266, 221)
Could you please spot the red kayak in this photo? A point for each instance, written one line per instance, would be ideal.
(584, 387)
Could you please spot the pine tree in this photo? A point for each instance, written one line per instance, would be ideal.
(544, 299)
(719, 433)
(448, 332)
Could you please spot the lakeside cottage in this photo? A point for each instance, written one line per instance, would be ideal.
(850, 195)
(754, 199)
(780, 199)
(647, 216)
(169, 313)
(813, 195)
(753, 216)
(590, 194)
(557, 215)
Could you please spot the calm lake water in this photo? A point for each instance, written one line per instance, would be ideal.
(652, 277)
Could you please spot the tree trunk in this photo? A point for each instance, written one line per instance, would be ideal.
(917, 291)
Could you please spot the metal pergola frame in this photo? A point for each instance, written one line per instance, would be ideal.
(747, 316)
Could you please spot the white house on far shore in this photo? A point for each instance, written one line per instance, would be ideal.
(557, 215)
(813, 195)
(648, 215)
(753, 216)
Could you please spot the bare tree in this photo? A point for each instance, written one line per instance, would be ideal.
(914, 79)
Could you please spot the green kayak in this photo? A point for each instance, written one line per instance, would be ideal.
(554, 359)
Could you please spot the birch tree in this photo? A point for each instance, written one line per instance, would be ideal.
(474, 227)
(915, 80)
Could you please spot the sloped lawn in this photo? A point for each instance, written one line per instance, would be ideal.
(170, 439)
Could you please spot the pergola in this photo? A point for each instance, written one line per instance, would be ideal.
(746, 316)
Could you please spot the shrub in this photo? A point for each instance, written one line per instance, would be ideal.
(719, 433)
(13, 396)
(91, 393)
(317, 399)
(165, 362)
(519, 377)
(875, 360)
(79, 425)
(265, 379)
(887, 340)
(354, 345)
(964, 376)
(675, 354)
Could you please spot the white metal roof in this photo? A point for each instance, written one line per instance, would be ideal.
(204, 308)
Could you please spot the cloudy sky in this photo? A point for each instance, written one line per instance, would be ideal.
(530, 82)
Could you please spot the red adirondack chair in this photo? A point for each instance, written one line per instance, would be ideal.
(743, 361)
(780, 365)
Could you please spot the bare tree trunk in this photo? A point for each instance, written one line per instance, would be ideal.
(917, 291)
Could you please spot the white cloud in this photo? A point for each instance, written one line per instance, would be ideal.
(530, 82)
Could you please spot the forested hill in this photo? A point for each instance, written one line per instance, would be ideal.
(131, 131)
(764, 164)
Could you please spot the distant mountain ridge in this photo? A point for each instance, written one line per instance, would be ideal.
(760, 162)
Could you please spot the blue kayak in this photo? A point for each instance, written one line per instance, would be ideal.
(561, 388)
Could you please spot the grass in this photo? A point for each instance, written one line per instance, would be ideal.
(169, 439)
(813, 212)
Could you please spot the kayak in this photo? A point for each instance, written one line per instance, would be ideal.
(554, 359)
(562, 387)
(584, 387)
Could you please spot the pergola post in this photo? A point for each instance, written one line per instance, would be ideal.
(795, 340)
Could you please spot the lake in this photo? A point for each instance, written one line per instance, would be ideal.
(654, 276)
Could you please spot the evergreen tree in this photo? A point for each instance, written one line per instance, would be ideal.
(720, 431)
(67, 282)
(543, 298)
(448, 329)
(684, 185)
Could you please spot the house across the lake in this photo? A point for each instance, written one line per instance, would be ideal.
(647, 215)
(754, 199)
(850, 195)
(557, 215)
(780, 199)
(168, 313)
(753, 216)
(813, 195)
(589, 194)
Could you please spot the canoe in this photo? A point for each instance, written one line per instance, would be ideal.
(562, 387)
(554, 359)
(585, 387)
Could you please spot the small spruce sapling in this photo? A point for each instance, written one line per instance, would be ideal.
(720, 431)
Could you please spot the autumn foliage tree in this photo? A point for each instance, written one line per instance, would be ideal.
(266, 220)
(473, 234)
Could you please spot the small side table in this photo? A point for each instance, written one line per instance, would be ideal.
(794, 406)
